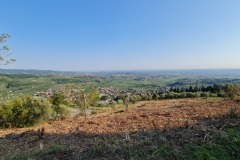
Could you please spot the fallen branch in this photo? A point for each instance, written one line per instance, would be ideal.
(223, 126)
(205, 137)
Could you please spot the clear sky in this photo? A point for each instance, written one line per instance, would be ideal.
(82, 35)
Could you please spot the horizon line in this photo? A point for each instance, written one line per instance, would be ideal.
(123, 70)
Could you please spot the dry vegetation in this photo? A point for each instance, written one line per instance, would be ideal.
(142, 132)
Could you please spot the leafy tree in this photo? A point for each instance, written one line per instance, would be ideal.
(209, 89)
(178, 90)
(183, 89)
(93, 98)
(190, 89)
(4, 50)
(203, 89)
(155, 96)
(195, 89)
(57, 99)
(84, 97)
(216, 88)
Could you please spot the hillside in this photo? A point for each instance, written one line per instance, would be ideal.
(148, 130)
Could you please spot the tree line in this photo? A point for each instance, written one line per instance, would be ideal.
(213, 89)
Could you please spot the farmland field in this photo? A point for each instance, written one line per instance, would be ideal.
(14, 85)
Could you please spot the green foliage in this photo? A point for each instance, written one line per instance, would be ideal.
(224, 145)
(57, 99)
(231, 90)
(120, 101)
(104, 97)
(25, 111)
(204, 94)
(4, 50)
(63, 110)
(93, 98)
(103, 104)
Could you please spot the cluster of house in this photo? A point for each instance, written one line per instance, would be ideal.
(108, 91)
(113, 92)
(45, 94)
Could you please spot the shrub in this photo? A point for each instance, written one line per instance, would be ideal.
(112, 103)
(25, 111)
(220, 94)
(183, 95)
(197, 94)
(120, 101)
(57, 99)
(169, 95)
(213, 95)
(103, 104)
(134, 99)
(104, 98)
(190, 95)
(162, 96)
(231, 90)
(204, 94)
(64, 110)
(144, 97)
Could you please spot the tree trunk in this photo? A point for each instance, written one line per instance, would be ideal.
(85, 105)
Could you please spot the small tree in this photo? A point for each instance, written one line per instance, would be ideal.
(84, 98)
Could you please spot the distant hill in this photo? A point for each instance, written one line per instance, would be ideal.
(197, 73)
(33, 71)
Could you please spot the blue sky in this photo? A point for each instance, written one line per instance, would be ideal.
(82, 35)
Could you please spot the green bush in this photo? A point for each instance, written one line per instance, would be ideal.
(120, 101)
(26, 111)
(103, 104)
(64, 110)
(134, 99)
(220, 94)
(169, 95)
(162, 96)
(57, 99)
(104, 98)
(231, 90)
(183, 95)
(204, 94)
(112, 103)
(213, 95)
(190, 95)
(197, 94)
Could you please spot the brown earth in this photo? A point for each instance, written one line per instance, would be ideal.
(196, 118)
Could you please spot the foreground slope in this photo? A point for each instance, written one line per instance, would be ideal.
(138, 133)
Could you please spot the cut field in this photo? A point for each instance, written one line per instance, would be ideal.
(148, 130)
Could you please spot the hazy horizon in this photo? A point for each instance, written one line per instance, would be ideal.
(122, 35)
(129, 70)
